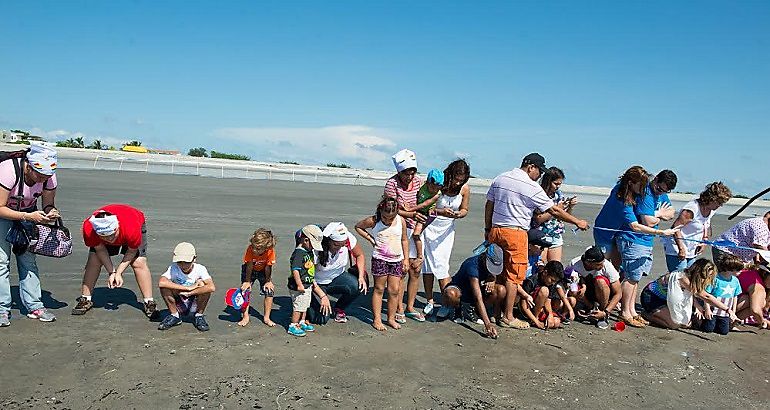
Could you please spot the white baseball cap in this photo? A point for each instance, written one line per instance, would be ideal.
(184, 252)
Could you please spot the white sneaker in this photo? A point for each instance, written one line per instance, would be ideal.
(428, 309)
(42, 315)
(5, 319)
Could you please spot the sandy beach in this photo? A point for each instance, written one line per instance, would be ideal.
(114, 358)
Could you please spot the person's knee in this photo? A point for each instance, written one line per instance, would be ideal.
(499, 292)
(543, 292)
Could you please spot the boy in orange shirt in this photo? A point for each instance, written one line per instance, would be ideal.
(257, 265)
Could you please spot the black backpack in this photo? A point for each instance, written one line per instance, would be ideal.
(16, 157)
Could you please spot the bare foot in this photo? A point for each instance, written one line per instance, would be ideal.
(395, 325)
(244, 321)
(379, 326)
(269, 322)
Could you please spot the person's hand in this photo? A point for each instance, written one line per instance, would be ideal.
(530, 301)
(326, 307)
(184, 294)
(669, 232)
(665, 212)
(572, 202)
(707, 314)
(245, 286)
(200, 283)
(300, 288)
(269, 288)
(491, 330)
(733, 317)
(698, 314)
(363, 287)
(38, 217)
(404, 267)
(572, 315)
(420, 217)
(538, 324)
(682, 254)
(53, 214)
(582, 224)
(115, 280)
(489, 287)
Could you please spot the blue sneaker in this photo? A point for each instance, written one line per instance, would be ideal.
(296, 331)
(307, 327)
(169, 322)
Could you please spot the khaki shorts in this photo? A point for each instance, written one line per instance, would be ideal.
(300, 301)
(515, 249)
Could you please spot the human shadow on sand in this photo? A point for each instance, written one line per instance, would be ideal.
(47, 298)
(113, 299)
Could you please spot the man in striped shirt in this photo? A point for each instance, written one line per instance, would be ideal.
(511, 200)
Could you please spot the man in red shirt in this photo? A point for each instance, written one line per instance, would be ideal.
(110, 230)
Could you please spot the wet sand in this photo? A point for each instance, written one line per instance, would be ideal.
(114, 358)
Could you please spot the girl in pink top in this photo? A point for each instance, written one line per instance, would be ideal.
(386, 231)
(752, 302)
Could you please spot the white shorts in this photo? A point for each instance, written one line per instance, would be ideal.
(300, 301)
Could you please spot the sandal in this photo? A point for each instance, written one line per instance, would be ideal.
(641, 319)
(632, 322)
(400, 318)
(417, 316)
(513, 324)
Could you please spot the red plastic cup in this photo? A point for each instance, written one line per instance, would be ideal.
(619, 327)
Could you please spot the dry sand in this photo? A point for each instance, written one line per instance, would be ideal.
(115, 358)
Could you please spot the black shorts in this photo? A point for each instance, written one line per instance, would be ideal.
(113, 250)
(255, 276)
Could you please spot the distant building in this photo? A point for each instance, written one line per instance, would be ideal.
(164, 151)
(8, 136)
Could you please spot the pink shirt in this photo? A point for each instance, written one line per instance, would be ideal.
(8, 180)
(515, 196)
(748, 278)
(746, 233)
(405, 197)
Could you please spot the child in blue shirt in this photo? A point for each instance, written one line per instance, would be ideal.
(726, 289)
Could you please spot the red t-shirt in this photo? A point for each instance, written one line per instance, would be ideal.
(130, 221)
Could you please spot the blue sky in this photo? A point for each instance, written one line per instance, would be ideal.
(593, 86)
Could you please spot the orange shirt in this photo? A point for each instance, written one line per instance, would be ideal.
(260, 261)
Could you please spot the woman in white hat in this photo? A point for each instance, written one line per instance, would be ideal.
(340, 270)
(404, 187)
(111, 230)
(22, 182)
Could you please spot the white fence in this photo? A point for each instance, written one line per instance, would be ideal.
(75, 158)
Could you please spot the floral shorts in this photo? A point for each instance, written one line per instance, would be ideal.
(384, 268)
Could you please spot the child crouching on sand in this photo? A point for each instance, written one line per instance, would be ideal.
(390, 241)
(257, 266)
(186, 287)
(726, 289)
(547, 288)
(302, 279)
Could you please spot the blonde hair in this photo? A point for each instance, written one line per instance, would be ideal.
(263, 239)
(701, 274)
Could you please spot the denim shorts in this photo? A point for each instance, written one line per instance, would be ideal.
(636, 260)
(651, 302)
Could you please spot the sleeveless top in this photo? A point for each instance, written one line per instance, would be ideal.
(696, 229)
(388, 240)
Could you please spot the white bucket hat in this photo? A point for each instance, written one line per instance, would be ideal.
(404, 159)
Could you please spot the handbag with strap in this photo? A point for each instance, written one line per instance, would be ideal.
(51, 240)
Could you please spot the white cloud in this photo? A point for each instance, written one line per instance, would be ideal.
(355, 144)
(60, 135)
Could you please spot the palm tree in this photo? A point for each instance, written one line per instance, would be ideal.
(134, 143)
(97, 144)
(79, 143)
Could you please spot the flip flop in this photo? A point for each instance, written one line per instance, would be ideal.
(417, 316)
(632, 322)
(400, 318)
(641, 319)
